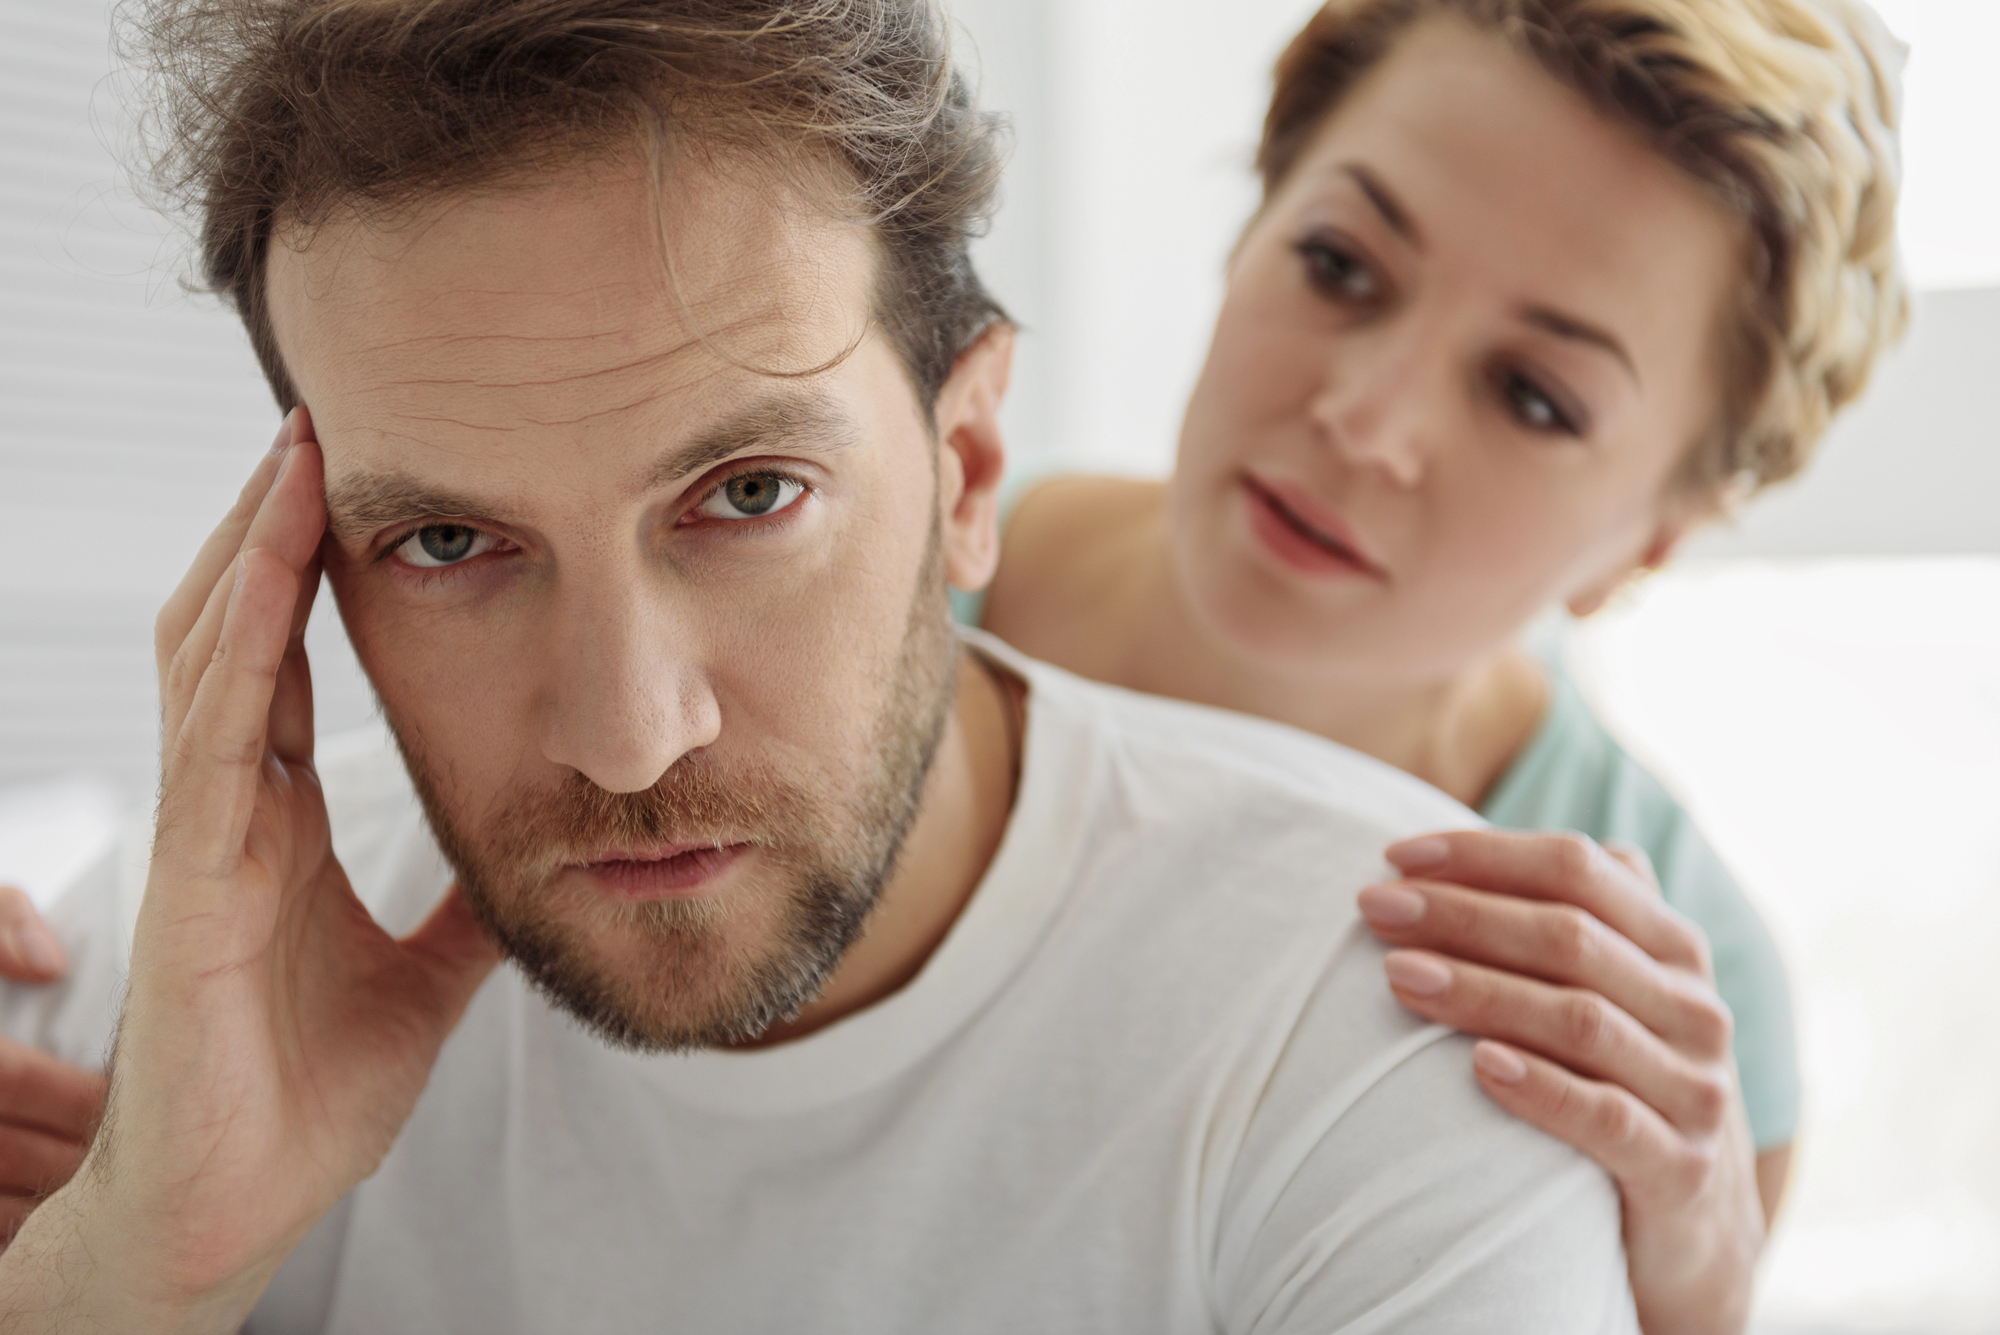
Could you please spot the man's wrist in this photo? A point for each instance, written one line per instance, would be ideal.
(78, 1264)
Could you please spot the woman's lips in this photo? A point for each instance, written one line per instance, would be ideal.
(1302, 533)
(679, 871)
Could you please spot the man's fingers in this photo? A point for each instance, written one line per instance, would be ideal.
(1567, 868)
(1628, 1139)
(177, 616)
(38, 1091)
(214, 761)
(1579, 1029)
(288, 523)
(29, 951)
(1555, 942)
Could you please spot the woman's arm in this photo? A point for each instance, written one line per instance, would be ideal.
(1601, 1024)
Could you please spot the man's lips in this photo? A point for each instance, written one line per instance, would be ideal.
(664, 871)
(1303, 533)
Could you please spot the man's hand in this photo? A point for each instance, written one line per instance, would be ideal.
(274, 1038)
(48, 1108)
(1602, 1026)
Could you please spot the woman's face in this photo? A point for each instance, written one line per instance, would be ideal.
(1462, 353)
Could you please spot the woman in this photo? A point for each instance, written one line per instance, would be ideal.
(1536, 287)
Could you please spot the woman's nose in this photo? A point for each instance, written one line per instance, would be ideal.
(1378, 406)
(629, 695)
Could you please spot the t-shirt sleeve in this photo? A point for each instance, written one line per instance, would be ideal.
(1404, 1199)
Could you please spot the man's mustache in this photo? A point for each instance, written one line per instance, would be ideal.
(694, 802)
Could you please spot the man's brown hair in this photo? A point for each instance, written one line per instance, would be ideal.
(1785, 110)
(271, 114)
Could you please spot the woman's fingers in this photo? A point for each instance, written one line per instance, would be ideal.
(1580, 1029)
(29, 951)
(1556, 942)
(38, 1091)
(1630, 1140)
(1566, 868)
(177, 616)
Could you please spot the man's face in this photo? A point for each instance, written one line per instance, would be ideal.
(662, 634)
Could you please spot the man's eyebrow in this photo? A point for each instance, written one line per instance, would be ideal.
(1385, 202)
(778, 422)
(358, 504)
(1568, 326)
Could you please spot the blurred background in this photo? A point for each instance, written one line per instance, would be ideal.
(1820, 683)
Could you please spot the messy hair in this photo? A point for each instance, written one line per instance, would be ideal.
(266, 115)
(1786, 110)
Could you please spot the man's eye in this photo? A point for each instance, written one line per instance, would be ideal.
(1532, 407)
(436, 545)
(751, 496)
(1334, 269)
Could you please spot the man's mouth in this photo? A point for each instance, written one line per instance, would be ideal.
(1304, 534)
(666, 871)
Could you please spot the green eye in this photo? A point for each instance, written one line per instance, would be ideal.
(753, 493)
(751, 496)
(446, 542)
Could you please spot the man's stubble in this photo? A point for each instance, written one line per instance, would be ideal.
(823, 859)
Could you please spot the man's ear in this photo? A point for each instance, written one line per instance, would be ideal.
(1679, 518)
(972, 457)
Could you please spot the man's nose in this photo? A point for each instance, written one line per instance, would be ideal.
(1381, 401)
(628, 692)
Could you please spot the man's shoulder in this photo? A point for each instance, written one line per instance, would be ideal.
(1194, 762)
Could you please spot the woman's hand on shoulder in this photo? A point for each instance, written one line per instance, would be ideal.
(1601, 1024)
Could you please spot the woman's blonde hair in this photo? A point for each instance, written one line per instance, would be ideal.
(1785, 109)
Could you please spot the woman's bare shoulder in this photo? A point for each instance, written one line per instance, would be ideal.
(1064, 557)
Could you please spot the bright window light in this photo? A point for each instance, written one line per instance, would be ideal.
(1835, 727)
(1951, 204)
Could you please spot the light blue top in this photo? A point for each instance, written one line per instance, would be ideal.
(1573, 776)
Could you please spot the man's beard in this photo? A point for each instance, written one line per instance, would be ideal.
(823, 854)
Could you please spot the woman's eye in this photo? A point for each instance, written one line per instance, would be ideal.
(1334, 269)
(1532, 407)
(751, 496)
(436, 545)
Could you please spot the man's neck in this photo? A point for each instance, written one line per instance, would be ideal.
(968, 797)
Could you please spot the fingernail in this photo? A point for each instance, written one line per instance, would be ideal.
(283, 441)
(1391, 905)
(38, 948)
(1424, 851)
(1424, 975)
(1498, 1063)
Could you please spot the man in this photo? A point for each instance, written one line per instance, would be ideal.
(868, 978)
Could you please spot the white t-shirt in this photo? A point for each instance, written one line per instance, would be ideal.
(1152, 1081)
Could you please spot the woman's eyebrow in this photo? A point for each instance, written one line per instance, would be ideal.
(1385, 202)
(1568, 326)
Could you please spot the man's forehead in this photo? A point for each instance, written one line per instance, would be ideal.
(549, 302)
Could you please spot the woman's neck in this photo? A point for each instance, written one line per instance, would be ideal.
(1458, 733)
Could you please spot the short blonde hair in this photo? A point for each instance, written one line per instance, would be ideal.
(1785, 109)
